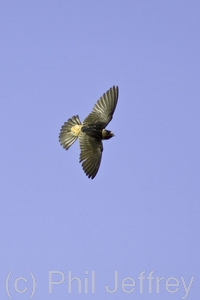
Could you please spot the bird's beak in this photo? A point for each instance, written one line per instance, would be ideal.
(112, 134)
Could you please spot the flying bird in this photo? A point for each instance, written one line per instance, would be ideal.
(91, 132)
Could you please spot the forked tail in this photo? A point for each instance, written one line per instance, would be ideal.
(69, 132)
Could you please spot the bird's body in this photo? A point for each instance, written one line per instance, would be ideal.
(91, 132)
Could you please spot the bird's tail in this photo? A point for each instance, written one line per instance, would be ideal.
(70, 132)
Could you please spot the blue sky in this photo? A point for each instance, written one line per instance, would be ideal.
(141, 212)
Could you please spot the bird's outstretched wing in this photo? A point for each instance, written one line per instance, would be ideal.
(104, 108)
(91, 153)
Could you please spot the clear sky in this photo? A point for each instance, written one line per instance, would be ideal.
(139, 217)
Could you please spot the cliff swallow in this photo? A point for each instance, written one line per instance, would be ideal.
(91, 132)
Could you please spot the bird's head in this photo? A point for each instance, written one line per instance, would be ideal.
(107, 134)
